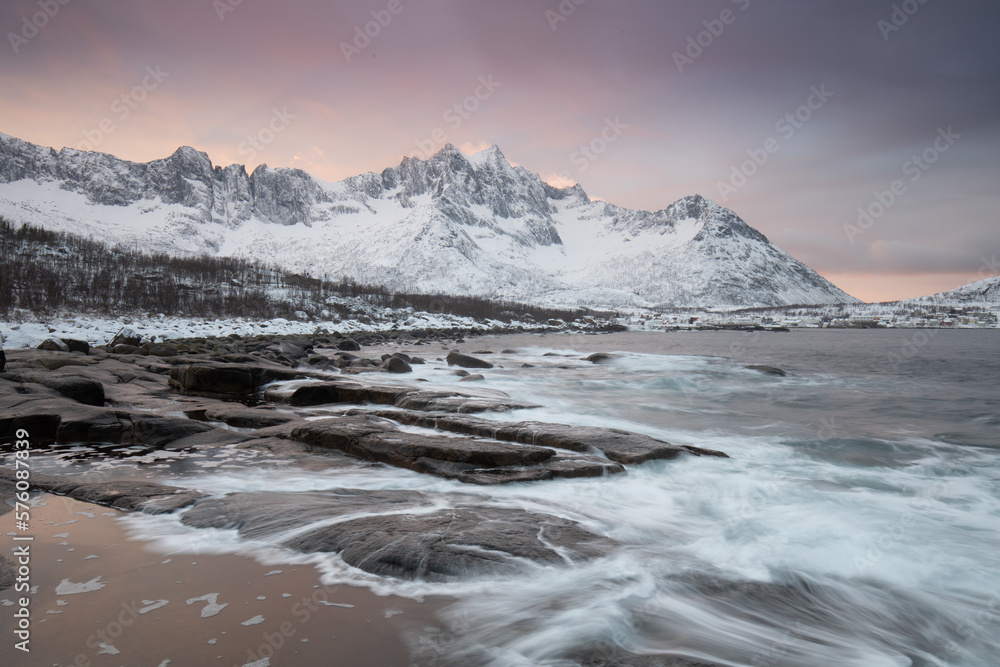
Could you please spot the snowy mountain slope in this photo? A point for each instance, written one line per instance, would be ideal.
(453, 224)
(984, 292)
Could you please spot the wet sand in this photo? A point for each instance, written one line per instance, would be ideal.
(273, 615)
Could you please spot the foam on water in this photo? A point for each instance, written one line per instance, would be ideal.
(858, 542)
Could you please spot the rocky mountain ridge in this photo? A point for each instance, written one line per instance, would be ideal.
(452, 224)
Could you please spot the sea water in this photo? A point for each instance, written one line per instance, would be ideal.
(857, 521)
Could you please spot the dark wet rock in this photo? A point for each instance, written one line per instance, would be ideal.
(122, 494)
(619, 446)
(53, 345)
(471, 459)
(465, 540)
(240, 358)
(292, 350)
(461, 373)
(349, 345)
(56, 419)
(282, 447)
(75, 345)
(472, 378)
(235, 414)
(561, 465)
(227, 381)
(768, 370)
(217, 437)
(396, 364)
(465, 361)
(150, 430)
(308, 393)
(55, 362)
(80, 389)
(125, 348)
(437, 401)
(323, 393)
(600, 358)
(374, 439)
(161, 349)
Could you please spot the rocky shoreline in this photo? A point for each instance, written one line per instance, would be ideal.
(332, 399)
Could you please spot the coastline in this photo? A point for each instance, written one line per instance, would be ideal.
(138, 606)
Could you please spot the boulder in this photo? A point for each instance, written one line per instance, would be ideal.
(75, 345)
(126, 337)
(465, 361)
(599, 357)
(291, 350)
(767, 370)
(398, 537)
(321, 393)
(227, 381)
(349, 345)
(395, 364)
(162, 349)
(53, 345)
(472, 378)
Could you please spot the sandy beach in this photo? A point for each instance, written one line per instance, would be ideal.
(100, 598)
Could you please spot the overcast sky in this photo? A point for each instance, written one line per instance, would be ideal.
(834, 100)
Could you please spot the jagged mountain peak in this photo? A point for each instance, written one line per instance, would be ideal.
(189, 153)
(449, 223)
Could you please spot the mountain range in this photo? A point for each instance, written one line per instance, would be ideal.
(451, 224)
(985, 292)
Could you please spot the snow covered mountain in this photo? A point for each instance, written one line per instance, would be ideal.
(452, 224)
(981, 293)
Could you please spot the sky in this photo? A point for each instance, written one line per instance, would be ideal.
(861, 136)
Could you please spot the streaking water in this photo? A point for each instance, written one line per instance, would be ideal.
(858, 522)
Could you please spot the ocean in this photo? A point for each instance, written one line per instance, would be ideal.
(857, 522)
